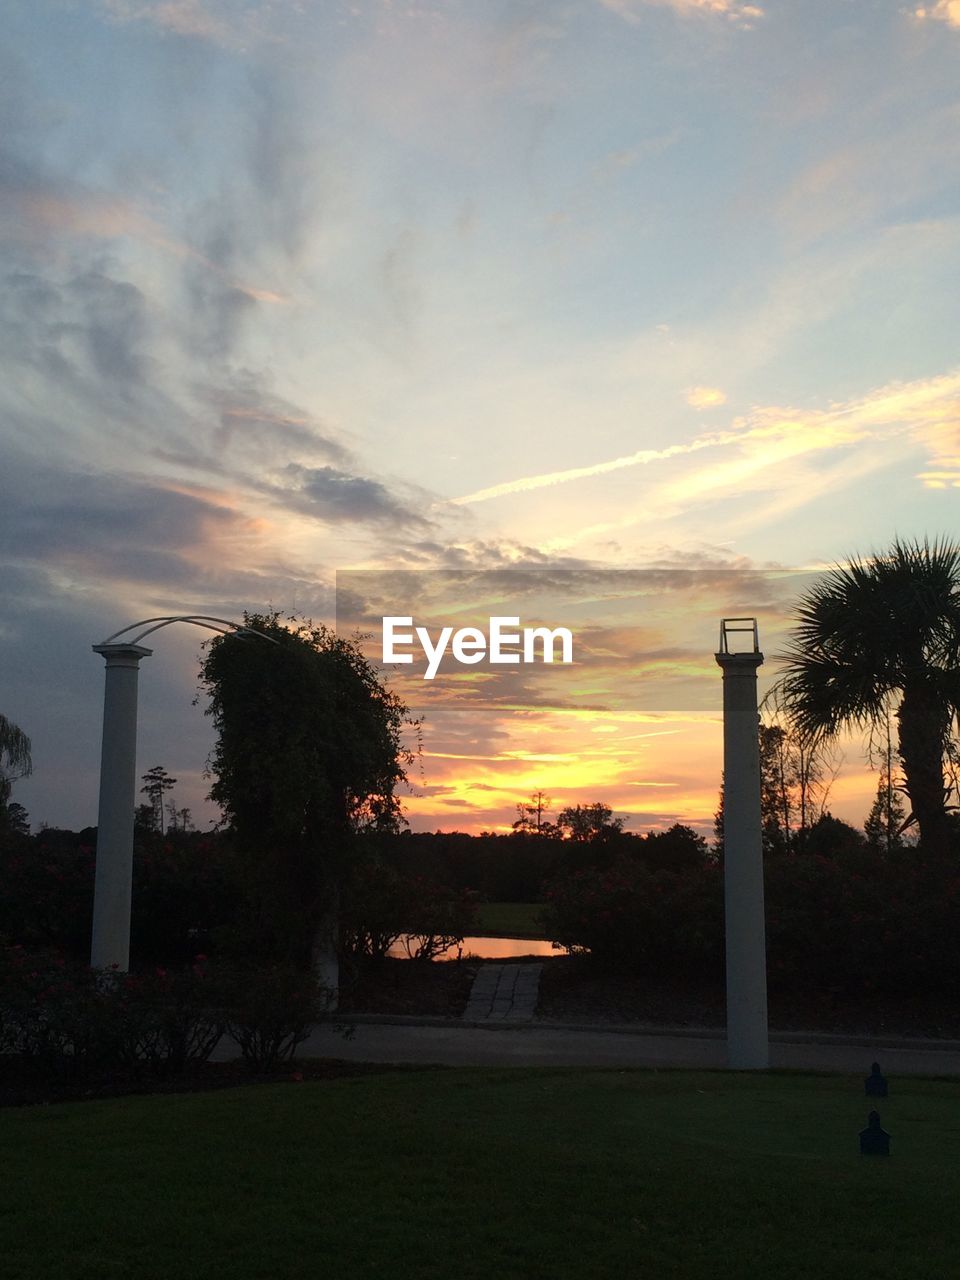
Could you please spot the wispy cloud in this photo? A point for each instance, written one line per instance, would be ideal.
(928, 410)
(866, 177)
(233, 24)
(731, 10)
(38, 214)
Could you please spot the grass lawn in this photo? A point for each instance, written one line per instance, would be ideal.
(487, 1175)
(511, 919)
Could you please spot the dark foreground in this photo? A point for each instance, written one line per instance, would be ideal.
(479, 1173)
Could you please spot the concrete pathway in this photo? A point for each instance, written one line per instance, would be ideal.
(504, 992)
(499, 1043)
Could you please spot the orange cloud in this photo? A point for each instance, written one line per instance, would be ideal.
(947, 11)
(705, 397)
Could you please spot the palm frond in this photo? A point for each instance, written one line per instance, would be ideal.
(866, 629)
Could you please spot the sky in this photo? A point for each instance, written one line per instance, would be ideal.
(301, 288)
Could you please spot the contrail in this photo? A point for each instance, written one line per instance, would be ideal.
(641, 457)
(920, 404)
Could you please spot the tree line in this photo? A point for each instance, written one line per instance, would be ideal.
(310, 750)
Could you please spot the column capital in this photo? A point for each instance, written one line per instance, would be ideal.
(122, 655)
(739, 663)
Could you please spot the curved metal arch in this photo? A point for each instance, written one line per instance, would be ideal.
(223, 626)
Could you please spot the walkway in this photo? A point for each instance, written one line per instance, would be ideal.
(503, 1043)
(504, 992)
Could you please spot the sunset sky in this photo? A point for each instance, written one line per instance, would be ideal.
(293, 289)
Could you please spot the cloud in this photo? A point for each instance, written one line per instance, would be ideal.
(110, 527)
(731, 10)
(947, 11)
(91, 343)
(36, 216)
(926, 410)
(231, 25)
(254, 418)
(705, 397)
(337, 496)
(872, 177)
(77, 355)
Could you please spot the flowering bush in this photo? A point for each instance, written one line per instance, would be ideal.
(166, 1020)
(69, 1020)
(53, 1013)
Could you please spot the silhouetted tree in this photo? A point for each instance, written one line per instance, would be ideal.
(156, 783)
(530, 817)
(589, 822)
(308, 753)
(831, 837)
(885, 628)
(795, 781)
(17, 819)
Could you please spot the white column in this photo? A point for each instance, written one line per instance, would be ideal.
(118, 777)
(747, 1041)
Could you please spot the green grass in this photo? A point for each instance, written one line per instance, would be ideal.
(511, 919)
(474, 1174)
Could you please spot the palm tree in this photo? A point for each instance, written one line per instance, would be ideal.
(881, 630)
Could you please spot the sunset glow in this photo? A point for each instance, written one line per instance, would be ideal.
(295, 291)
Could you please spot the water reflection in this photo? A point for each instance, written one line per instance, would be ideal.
(488, 948)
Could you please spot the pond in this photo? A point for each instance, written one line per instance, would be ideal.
(490, 948)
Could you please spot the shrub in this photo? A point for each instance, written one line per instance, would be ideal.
(185, 891)
(373, 906)
(54, 1014)
(270, 1010)
(852, 924)
(635, 919)
(47, 899)
(69, 1020)
(873, 925)
(165, 1020)
(439, 918)
(383, 904)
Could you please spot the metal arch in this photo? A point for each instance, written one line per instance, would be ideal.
(223, 626)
